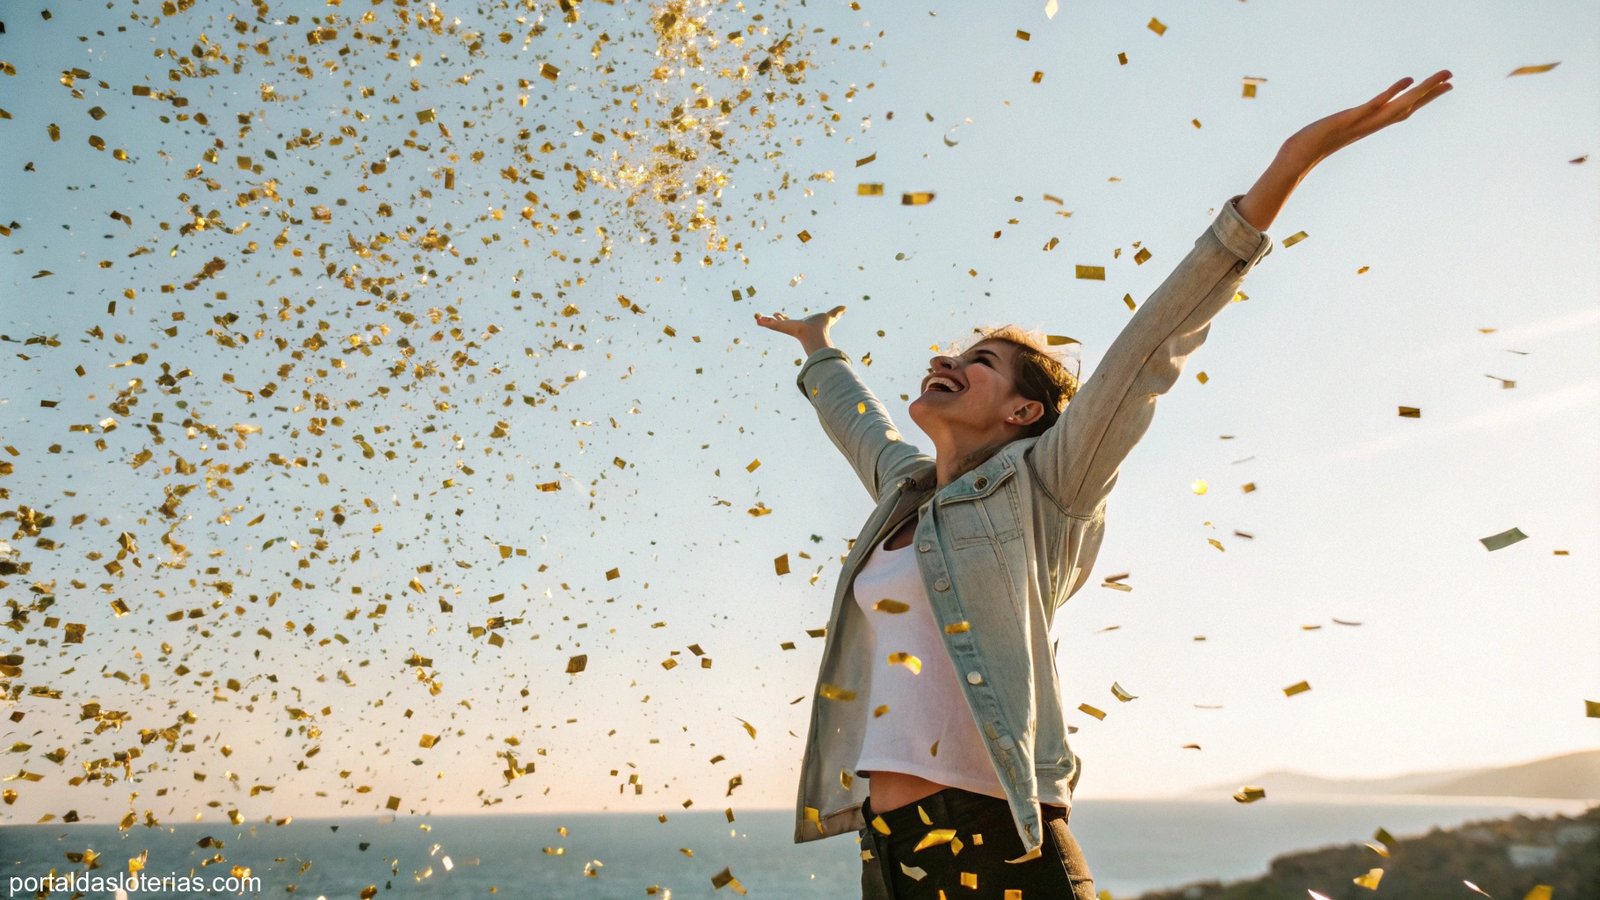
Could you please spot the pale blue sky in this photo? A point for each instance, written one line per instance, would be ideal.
(1469, 216)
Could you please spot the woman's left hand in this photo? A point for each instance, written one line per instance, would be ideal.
(1312, 144)
(1317, 141)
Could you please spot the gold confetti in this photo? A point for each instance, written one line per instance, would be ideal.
(1142, 256)
(1250, 83)
(936, 837)
(754, 465)
(1295, 238)
(834, 692)
(1051, 7)
(1369, 880)
(879, 825)
(1089, 710)
(1091, 273)
(1503, 539)
(1591, 709)
(958, 627)
(1195, 122)
(1299, 687)
(725, 879)
(1121, 694)
(577, 663)
(969, 880)
(1122, 59)
(1156, 26)
(1533, 70)
(1199, 486)
(871, 157)
(916, 198)
(1250, 794)
(781, 564)
(1363, 270)
(1475, 889)
(804, 236)
(1023, 35)
(1540, 892)
(1410, 412)
(869, 189)
(425, 115)
(915, 873)
(1038, 77)
(908, 660)
(888, 605)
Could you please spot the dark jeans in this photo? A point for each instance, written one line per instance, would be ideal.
(1058, 873)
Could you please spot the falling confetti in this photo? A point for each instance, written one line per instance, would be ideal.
(1503, 540)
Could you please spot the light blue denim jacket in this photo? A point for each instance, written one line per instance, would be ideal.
(1004, 545)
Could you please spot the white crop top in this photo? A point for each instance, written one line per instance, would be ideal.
(918, 721)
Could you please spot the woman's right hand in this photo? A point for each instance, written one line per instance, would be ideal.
(811, 332)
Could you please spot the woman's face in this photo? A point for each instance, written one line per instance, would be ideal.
(973, 393)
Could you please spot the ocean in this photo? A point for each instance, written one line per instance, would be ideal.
(1132, 845)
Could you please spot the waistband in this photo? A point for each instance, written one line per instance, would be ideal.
(949, 808)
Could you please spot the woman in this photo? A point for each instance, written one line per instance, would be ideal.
(937, 732)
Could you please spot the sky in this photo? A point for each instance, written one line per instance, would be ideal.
(405, 359)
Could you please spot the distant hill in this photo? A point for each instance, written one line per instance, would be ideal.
(1573, 776)
(1505, 858)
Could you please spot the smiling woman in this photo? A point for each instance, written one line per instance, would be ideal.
(938, 681)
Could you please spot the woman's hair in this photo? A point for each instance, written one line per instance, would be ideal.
(1039, 376)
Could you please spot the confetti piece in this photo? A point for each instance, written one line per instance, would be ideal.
(1199, 486)
(1023, 35)
(869, 158)
(1091, 273)
(869, 190)
(887, 605)
(936, 837)
(834, 692)
(1250, 83)
(1089, 710)
(958, 627)
(879, 825)
(1410, 412)
(1503, 539)
(1121, 694)
(1051, 7)
(1038, 77)
(1142, 256)
(908, 660)
(1540, 892)
(781, 564)
(725, 879)
(916, 198)
(1299, 687)
(969, 880)
(1156, 26)
(1249, 487)
(1591, 709)
(577, 663)
(1190, 747)
(1250, 794)
(1475, 889)
(915, 873)
(1369, 880)
(1122, 59)
(1293, 239)
(1533, 70)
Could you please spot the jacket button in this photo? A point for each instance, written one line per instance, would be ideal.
(974, 678)
(942, 584)
(924, 547)
(981, 483)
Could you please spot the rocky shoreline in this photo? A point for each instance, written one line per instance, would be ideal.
(1507, 859)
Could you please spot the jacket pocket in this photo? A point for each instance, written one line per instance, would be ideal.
(982, 510)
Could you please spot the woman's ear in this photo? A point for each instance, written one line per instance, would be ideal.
(1027, 413)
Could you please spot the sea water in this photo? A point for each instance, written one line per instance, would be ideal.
(1132, 846)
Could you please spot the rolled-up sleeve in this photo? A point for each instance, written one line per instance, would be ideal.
(1076, 461)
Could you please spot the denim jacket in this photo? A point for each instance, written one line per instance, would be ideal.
(1003, 546)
